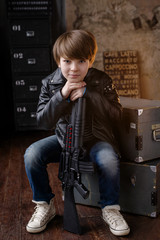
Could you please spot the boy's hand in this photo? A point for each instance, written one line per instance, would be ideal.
(73, 89)
(77, 93)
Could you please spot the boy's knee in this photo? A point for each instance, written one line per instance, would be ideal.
(109, 163)
(30, 156)
(103, 151)
(105, 157)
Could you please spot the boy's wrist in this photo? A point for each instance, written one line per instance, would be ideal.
(64, 96)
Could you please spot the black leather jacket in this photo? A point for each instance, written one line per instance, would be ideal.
(101, 97)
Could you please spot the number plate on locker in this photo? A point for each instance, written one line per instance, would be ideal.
(29, 31)
(31, 60)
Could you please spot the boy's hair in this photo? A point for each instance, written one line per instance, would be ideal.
(75, 44)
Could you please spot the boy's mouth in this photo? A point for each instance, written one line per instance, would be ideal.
(74, 75)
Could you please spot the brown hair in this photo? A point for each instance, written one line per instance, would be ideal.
(75, 44)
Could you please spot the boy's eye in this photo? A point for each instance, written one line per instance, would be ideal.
(67, 61)
(82, 61)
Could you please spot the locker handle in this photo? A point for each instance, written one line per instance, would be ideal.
(156, 135)
(33, 88)
(31, 61)
(33, 114)
(30, 34)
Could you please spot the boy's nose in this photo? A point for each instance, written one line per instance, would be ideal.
(74, 66)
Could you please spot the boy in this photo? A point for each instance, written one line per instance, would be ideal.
(74, 53)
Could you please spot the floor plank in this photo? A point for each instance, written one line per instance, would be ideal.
(17, 206)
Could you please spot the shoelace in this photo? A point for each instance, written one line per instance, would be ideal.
(40, 213)
(113, 216)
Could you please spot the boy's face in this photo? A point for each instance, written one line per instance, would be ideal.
(74, 70)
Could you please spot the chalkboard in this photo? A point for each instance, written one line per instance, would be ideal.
(123, 68)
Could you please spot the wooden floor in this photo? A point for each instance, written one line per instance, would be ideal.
(17, 208)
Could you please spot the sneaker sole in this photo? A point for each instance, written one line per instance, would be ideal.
(120, 233)
(40, 229)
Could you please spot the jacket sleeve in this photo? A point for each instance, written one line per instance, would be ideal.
(104, 100)
(50, 107)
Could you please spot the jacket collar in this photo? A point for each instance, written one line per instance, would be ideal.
(57, 77)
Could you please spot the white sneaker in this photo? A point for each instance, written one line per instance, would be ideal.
(115, 220)
(44, 212)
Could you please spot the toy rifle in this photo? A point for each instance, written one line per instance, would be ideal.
(72, 165)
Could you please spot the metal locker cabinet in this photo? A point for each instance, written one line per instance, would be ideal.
(140, 188)
(139, 133)
(33, 28)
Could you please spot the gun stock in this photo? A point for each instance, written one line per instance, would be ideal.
(70, 218)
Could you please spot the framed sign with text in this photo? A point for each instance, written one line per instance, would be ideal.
(122, 67)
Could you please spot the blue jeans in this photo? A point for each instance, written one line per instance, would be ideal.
(48, 150)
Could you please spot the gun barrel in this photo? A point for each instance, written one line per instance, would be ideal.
(79, 122)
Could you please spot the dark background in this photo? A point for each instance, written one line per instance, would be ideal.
(6, 98)
(7, 124)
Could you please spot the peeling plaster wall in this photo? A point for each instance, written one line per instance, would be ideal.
(111, 21)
